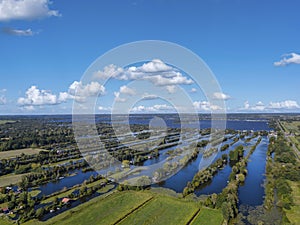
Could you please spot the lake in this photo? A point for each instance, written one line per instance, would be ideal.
(251, 193)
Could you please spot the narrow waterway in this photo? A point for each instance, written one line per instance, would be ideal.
(67, 182)
(220, 180)
(186, 174)
(253, 183)
(252, 192)
(72, 204)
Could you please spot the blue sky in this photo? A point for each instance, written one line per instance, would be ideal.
(252, 47)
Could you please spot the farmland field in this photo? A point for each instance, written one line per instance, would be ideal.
(7, 121)
(65, 194)
(163, 210)
(11, 179)
(208, 217)
(104, 211)
(4, 221)
(293, 214)
(131, 207)
(34, 193)
(293, 126)
(14, 153)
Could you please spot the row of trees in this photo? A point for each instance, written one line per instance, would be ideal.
(53, 173)
(236, 154)
(205, 175)
(23, 204)
(280, 169)
(224, 147)
(35, 132)
(227, 200)
(185, 154)
(142, 183)
(139, 153)
(27, 163)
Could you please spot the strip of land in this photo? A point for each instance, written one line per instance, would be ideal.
(208, 216)
(293, 214)
(9, 179)
(14, 153)
(291, 139)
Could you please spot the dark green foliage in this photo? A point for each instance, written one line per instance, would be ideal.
(206, 175)
(202, 143)
(224, 147)
(236, 154)
(283, 168)
(225, 211)
(40, 212)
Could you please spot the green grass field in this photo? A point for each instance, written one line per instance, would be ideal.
(108, 210)
(291, 126)
(34, 193)
(293, 214)
(7, 121)
(62, 195)
(14, 153)
(3, 205)
(131, 207)
(208, 216)
(105, 189)
(66, 193)
(4, 221)
(163, 210)
(11, 179)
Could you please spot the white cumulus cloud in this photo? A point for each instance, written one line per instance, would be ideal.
(63, 96)
(154, 108)
(147, 96)
(221, 96)
(246, 105)
(156, 65)
(259, 106)
(25, 9)
(291, 58)
(111, 71)
(205, 106)
(272, 106)
(155, 71)
(139, 108)
(171, 89)
(288, 104)
(77, 91)
(37, 97)
(80, 92)
(118, 98)
(126, 90)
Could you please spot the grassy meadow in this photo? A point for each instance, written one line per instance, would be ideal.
(131, 207)
(14, 153)
(11, 179)
(293, 214)
(208, 216)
